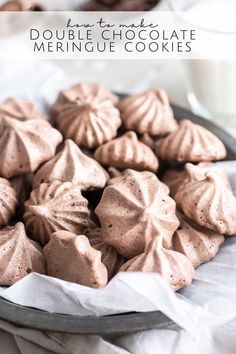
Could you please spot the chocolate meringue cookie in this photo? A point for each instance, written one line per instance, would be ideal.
(89, 123)
(19, 109)
(191, 142)
(86, 114)
(82, 93)
(21, 5)
(117, 5)
(71, 258)
(134, 211)
(127, 152)
(53, 207)
(25, 145)
(8, 201)
(210, 203)
(71, 165)
(110, 258)
(176, 179)
(198, 244)
(173, 266)
(148, 112)
(19, 255)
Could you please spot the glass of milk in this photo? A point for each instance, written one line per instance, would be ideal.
(211, 84)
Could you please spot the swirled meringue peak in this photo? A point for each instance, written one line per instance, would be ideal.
(19, 255)
(127, 152)
(53, 207)
(21, 5)
(176, 179)
(72, 165)
(210, 203)
(198, 172)
(134, 211)
(71, 258)
(82, 93)
(173, 266)
(25, 145)
(89, 124)
(130, 172)
(8, 201)
(89, 117)
(148, 112)
(19, 109)
(112, 260)
(191, 142)
(197, 243)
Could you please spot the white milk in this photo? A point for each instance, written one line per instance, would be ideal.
(212, 83)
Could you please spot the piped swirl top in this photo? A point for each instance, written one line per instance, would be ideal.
(25, 145)
(134, 211)
(19, 109)
(127, 152)
(148, 112)
(191, 142)
(72, 165)
(53, 207)
(210, 203)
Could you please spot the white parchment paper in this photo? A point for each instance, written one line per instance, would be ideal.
(210, 300)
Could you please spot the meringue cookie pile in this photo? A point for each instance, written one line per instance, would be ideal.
(90, 194)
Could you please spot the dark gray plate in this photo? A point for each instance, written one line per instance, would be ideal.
(118, 324)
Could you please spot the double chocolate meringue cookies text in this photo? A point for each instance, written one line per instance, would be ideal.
(86, 191)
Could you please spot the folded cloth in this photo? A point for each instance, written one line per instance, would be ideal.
(169, 340)
(30, 341)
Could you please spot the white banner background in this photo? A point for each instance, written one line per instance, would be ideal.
(116, 35)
